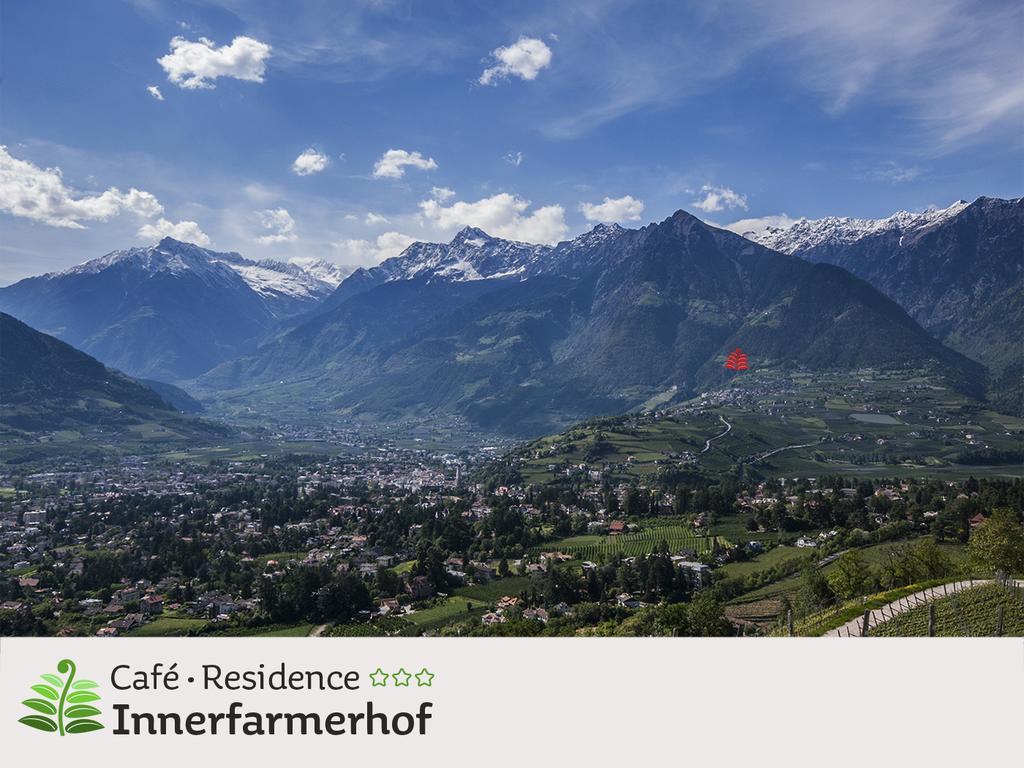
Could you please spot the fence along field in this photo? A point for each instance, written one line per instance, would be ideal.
(592, 547)
(987, 611)
(985, 608)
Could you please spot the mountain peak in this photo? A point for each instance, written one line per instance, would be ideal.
(471, 236)
(681, 223)
(613, 227)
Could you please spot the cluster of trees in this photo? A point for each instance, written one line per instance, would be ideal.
(851, 576)
(995, 547)
(315, 594)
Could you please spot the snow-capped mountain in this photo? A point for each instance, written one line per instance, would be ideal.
(288, 288)
(168, 256)
(474, 255)
(805, 234)
(168, 311)
(471, 255)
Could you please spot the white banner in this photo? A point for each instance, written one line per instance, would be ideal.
(509, 702)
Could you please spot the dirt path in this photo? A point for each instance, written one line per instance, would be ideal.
(318, 630)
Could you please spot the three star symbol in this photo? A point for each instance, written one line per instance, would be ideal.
(424, 678)
(379, 678)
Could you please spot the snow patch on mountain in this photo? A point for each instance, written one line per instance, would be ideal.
(324, 271)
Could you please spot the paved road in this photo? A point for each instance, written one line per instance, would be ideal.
(879, 615)
(762, 456)
(707, 443)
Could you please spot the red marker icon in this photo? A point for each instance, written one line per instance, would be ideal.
(737, 360)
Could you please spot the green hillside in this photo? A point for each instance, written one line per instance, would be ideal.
(872, 423)
(57, 400)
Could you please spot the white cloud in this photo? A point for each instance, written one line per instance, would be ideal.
(309, 162)
(365, 252)
(714, 199)
(442, 193)
(373, 219)
(525, 58)
(186, 231)
(31, 192)
(392, 163)
(502, 215)
(617, 209)
(949, 70)
(281, 226)
(196, 64)
(514, 158)
(154, 91)
(761, 224)
(951, 65)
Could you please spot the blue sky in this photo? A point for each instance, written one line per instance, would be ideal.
(531, 120)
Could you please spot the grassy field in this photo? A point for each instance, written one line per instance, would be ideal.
(971, 613)
(491, 592)
(594, 546)
(770, 558)
(446, 610)
(733, 527)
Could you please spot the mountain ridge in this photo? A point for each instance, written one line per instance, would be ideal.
(597, 326)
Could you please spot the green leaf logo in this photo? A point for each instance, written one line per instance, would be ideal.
(64, 704)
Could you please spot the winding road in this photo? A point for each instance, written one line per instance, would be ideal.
(707, 443)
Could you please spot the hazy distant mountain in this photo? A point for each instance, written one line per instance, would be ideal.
(170, 311)
(958, 271)
(176, 397)
(522, 338)
(47, 384)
